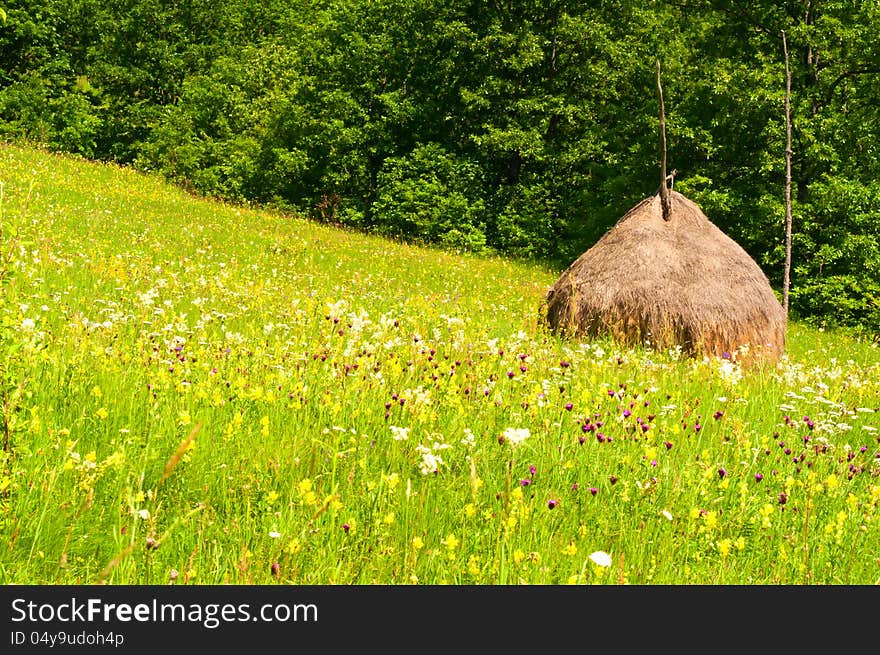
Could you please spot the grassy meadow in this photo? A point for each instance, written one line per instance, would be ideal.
(198, 393)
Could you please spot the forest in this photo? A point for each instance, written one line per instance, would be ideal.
(520, 128)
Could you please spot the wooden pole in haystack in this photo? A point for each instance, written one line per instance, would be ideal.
(786, 274)
(664, 190)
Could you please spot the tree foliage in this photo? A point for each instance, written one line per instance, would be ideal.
(521, 127)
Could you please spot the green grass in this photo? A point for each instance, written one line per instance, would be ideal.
(200, 393)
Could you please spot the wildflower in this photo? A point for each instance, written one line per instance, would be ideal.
(759, 477)
(275, 535)
(722, 472)
(102, 413)
(518, 556)
(594, 490)
(418, 543)
(724, 547)
(276, 569)
(346, 527)
(431, 461)
(552, 503)
(516, 435)
(451, 542)
(568, 407)
(27, 325)
(144, 514)
(398, 433)
(525, 482)
(666, 514)
(570, 549)
(601, 558)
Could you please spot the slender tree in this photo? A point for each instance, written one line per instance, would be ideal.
(786, 275)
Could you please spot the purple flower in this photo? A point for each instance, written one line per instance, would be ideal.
(612, 479)
(722, 472)
(552, 503)
(611, 393)
(717, 415)
(525, 482)
(574, 487)
(568, 407)
(626, 413)
(346, 527)
(668, 445)
(532, 469)
(594, 490)
(510, 374)
(759, 477)
(276, 569)
(600, 437)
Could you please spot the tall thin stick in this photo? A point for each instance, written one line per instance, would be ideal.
(786, 274)
(664, 190)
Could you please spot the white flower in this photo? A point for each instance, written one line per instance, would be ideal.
(399, 434)
(667, 514)
(431, 462)
(516, 435)
(28, 325)
(144, 514)
(275, 535)
(601, 558)
(469, 439)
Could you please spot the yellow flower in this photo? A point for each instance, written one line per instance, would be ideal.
(417, 543)
(740, 543)
(518, 556)
(96, 392)
(391, 479)
(474, 565)
(570, 549)
(102, 413)
(711, 520)
(724, 547)
(831, 482)
(389, 518)
(451, 541)
(470, 510)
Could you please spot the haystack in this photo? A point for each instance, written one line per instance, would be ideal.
(670, 281)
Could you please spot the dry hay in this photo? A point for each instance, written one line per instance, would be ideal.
(681, 282)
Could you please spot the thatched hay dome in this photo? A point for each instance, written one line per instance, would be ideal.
(676, 282)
